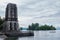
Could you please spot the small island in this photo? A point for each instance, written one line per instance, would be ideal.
(35, 26)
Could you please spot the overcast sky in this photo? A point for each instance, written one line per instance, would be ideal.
(35, 11)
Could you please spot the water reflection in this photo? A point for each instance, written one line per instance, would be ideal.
(52, 31)
(11, 38)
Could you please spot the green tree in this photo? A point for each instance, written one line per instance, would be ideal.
(1, 22)
(35, 26)
(53, 27)
(21, 28)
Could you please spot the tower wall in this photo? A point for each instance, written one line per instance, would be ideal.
(11, 19)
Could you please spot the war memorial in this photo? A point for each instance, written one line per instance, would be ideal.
(11, 25)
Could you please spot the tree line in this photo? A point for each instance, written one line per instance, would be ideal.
(35, 26)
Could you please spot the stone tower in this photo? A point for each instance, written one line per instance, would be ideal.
(10, 26)
(11, 19)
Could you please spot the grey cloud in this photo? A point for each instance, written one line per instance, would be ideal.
(57, 15)
(38, 7)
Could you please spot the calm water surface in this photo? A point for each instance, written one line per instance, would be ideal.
(40, 35)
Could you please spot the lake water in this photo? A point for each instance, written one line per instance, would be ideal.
(40, 35)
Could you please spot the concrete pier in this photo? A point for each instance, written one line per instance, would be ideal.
(19, 34)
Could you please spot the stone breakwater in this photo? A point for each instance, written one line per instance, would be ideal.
(17, 34)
